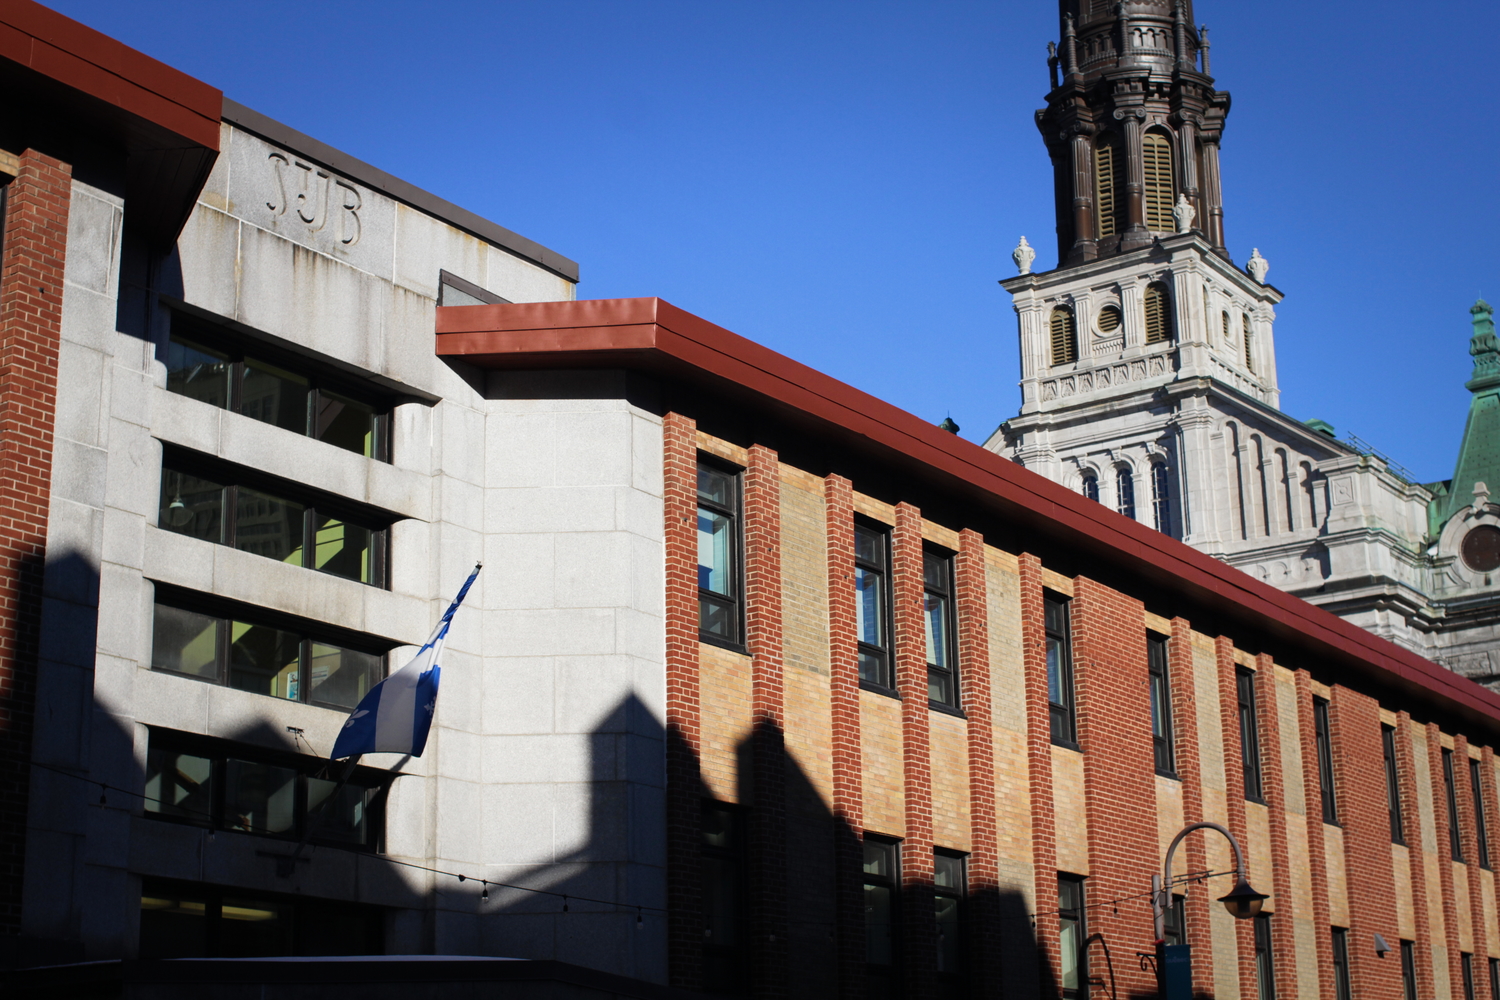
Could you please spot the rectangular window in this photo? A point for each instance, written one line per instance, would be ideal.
(1073, 937)
(1392, 784)
(950, 885)
(1466, 964)
(720, 580)
(872, 605)
(1455, 838)
(1494, 965)
(244, 649)
(939, 625)
(1161, 704)
(1481, 824)
(882, 878)
(1341, 963)
(1249, 733)
(229, 786)
(1409, 971)
(1265, 969)
(185, 920)
(1325, 759)
(1059, 670)
(723, 898)
(1174, 927)
(273, 387)
(220, 503)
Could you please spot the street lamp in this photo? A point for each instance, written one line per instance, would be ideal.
(1242, 902)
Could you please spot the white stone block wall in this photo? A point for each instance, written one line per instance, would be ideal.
(545, 764)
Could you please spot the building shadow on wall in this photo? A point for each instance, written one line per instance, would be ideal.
(786, 935)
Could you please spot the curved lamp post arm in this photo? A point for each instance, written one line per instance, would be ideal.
(1161, 896)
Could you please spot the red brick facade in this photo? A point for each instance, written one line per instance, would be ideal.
(1283, 928)
(1234, 793)
(1445, 868)
(1039, 762)
(1469, 836)
(1408, 768)
(31, 297)
(1189, 765)
(1317, 848)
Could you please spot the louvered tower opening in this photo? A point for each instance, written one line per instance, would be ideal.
(1064, 337)
(1156, 153)
(1106, 186)
(1158, 314)
(1249, 354)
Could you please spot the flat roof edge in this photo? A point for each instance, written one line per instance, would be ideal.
(271, 130)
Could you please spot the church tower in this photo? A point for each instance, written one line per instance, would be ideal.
(1148, 361)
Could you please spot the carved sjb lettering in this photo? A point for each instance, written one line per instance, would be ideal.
(318, 197)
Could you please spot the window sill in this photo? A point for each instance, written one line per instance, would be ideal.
(733, 647)
(1067, 744)
(1172, 775)
(952, 710)
(879, 689)
(1257, 799)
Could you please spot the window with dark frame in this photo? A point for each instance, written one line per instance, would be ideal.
(1174, 927)
(1455, 837)
(1481, 824)
(1125, 492)
(213, 783)
(1265, 966)
(950, 886)
(882, 880)
(720, 578)
(938, 622)
(1090, 486)
(723, 886)
(1059, 670)
(1392, 784)
(1409, 970)
(206, 363)
(229, 505)
(251, 650)
(1161, 704)
(1249, 733)
(1466, 966)
(1073, 934)
(1161, 497)
(1325, 760)
(872, 606)
(191, 920)
(1341, 985)
(1494, 965)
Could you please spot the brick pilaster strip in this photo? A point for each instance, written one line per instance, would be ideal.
(1188, 759)
(1039, 767)
(972, 593)
(1317, 848)
(31, 294)
(684, 782)
(1114, 731)
(1283, 926)
(1234, 798)
(1491, 801)
(919, 951)
(1469, 832)
(763, 640)
(1408, 767)
(1444, 857)
(848, 756)
(1361, 800)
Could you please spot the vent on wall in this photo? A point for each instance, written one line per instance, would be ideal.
(1156, 152)
(1106, 202)
(455, 291)
(1064, 337)
(1158, 315)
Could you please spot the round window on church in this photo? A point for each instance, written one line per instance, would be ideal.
(1109, 319)
(1481, 548)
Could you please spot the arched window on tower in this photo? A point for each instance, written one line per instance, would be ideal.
(1064, 337)
(1158, 314)
(1156, 157)
(1249, 354)
(1107, 176)
(1125, 492)
(1089, 486)
(1224, 317)
(1161, 497)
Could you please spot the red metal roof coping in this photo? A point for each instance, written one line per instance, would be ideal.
(653, 334)
(86, 60)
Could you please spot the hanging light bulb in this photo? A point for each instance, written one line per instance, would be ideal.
(102, 799)
(179, 515)
(565, 904)
(484, 897)
(640, 918)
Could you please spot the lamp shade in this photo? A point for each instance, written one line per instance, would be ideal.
(1243, 902)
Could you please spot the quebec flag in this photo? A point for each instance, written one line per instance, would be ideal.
(397, 713)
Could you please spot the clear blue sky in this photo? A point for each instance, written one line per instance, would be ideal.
(844, 182)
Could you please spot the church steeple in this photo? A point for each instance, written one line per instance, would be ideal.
(1132, 124)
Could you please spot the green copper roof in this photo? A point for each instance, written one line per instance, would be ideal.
(1479, 455)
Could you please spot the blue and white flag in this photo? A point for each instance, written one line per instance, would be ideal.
(397, 713)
